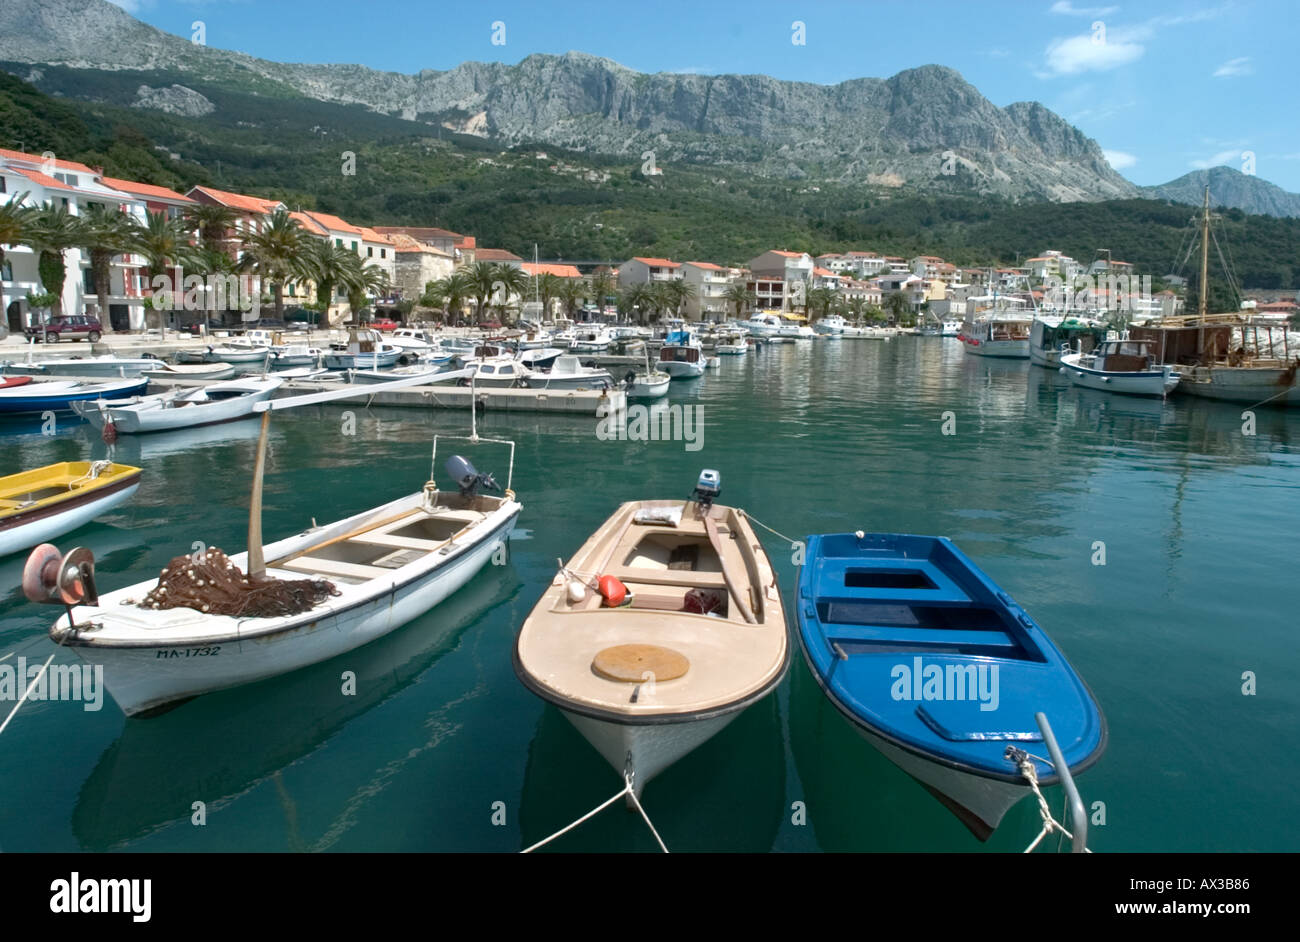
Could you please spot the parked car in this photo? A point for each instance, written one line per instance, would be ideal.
(384, 323)
(67, 327)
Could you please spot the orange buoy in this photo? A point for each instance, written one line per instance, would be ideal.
(612, 591)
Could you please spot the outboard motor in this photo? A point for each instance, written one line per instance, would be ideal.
(467, 477)
(630, 379)
(707, 488)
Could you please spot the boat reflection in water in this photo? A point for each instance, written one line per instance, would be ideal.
(219, 747)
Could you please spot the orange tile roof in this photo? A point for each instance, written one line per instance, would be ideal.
(37, 177)
(825, 273)
(866, 254)
(496, 255)
(706, 265)
(39, 159)
(145, 189)
(333, 222)
(544, 268)
(657, 262)
(784, 253)
(407, 245)
(248, 204)
(372, 235)
(311, 225)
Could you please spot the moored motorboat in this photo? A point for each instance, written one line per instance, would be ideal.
(208, 405)
(364, 349)
(61, 394)
(1050, 336)
(166, 371)
(237, 354)
(1121, 366)
(45, 503)
(940, 670)
(93, 367)
(568, 373)
(658, 632)
(681, 356)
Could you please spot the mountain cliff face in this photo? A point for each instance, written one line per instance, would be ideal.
(1228, 187)
(924, 127)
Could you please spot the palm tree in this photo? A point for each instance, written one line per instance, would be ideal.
(820, 301)
(602, 289)
(368, 280)
(51, 232)
(896, 305)
(739, 297)
(513, 281)
(165, 243)
(456, 289)
(107, 233)
(482, 278)
(328, 266)
(213, 224)
(636, 300)
(272, 253)
(548, 288)
(15, 216)
(572, 293)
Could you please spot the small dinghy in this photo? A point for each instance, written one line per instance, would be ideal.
(384, 376)
(61, 394)
(940, 670)
(220, 402)
(167, 371)
(9, 382)
(658, 632)
(45, 503)
(208, 621)
(239, 354)
(107, 365)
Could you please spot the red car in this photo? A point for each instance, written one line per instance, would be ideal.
(69, 326)
(384, 323)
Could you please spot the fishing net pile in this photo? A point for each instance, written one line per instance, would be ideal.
(211, 583)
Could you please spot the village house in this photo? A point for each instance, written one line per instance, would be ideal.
(711, 282)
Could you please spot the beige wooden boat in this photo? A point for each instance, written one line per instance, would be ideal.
(650, 680)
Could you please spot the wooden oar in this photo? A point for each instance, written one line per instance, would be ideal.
(715, 540)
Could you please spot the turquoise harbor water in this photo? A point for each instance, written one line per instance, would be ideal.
(1198, 522)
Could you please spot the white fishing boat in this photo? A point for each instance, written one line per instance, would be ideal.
(764, 324)
(243, 354)
(413, 340)
(832, 324)
(662, 628)
(291, 355)
(1002, 333)
(208, 405)
(681, 356)
(431, 375)
(290, 603)
(1121, 366)
(307, 372)
(1052, 335)
(107, 366)
(539, 358)
(590, 341)
(730, 344)
(166, 371)
(568, 373)
(365, 349)
(45, 503)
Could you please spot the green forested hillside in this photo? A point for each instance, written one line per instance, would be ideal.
(579, 206)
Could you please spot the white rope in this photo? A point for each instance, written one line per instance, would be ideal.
(627, 790)
(1050, 824)
(752, 519)
(23, 698)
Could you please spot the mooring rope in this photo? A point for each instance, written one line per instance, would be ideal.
(1050, 824)
(627, 790)
(23, 699)
(752, 519)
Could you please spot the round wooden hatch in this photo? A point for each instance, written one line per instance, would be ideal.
(631, 663)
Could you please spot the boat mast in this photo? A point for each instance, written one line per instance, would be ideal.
(1203, 301)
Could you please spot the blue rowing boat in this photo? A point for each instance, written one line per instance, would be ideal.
(61, 394)
(940, 669)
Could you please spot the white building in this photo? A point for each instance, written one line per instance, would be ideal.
(711, 282)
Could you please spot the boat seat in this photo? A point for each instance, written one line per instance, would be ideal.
(334, 567)
(945, 592)
(686, 578)
(396, 542)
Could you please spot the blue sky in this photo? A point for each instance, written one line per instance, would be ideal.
(1164, 87)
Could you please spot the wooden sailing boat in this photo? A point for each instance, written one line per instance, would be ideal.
(1224, 355)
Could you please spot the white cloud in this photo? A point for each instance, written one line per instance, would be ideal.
(1233, 67)
(1065, 8)
(1222, 159)
(1118, 159)
(1079, 54)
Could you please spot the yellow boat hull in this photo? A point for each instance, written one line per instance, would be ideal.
(44, 503)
